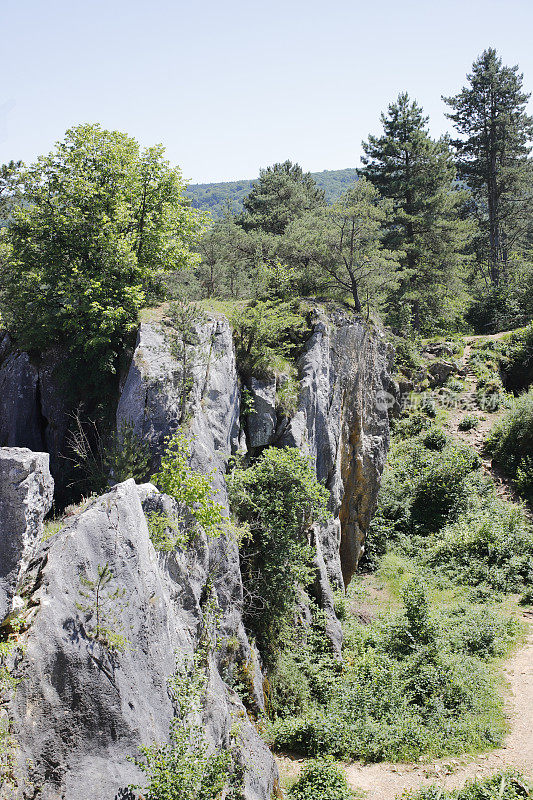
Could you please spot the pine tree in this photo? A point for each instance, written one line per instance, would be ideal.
(418, 174)
(283, 193)
(492, 153)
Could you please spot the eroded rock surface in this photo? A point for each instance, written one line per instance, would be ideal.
(26, 494)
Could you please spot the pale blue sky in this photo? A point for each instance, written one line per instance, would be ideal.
(230, 87)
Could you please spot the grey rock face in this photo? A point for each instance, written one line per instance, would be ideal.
(151, 398)
(81, 709)
(34, 412)
(261, 422)
(343, 424)
(19, 380)
(26, 493)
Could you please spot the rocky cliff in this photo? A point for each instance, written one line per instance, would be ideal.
(80, 709)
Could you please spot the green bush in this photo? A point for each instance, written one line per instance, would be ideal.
(267, 334)
(441, 485)
(280, 497)
(510, 443)
(195, 504)
(435, 439)
(321, 780)
(508, 785)
(409, 687)
(517, 363)
(491, 543)
(468, 422)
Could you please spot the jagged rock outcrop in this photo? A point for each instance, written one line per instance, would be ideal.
(342, 421)
(81, 708)
(26, 494)
(34, 409)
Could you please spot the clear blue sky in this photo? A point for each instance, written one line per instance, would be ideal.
(231, 86)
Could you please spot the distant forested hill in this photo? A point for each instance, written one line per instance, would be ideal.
(214, 197)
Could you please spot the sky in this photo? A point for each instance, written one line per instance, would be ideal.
(229, 87)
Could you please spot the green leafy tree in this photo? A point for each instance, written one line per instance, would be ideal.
(417, 174)
(344, 243)
(282, 193)
(279, 497)
(101, 223)
(492, 153)
(8, 188)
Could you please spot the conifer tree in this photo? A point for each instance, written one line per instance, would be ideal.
(283, 193)
(492, 153)
(418, 174)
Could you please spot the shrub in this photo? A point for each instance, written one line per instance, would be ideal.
(321, 780)
(517, 363)
(192, 490)
(468, 422)
(510, 442)
(440, 487)
(266, 332)
(508, 785)
(184, 767)
(409, 687)
(98, 463)
(435, 439)
(280, 497)
(491, 543)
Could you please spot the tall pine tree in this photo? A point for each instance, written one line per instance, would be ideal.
(418, 174)
(492, 155)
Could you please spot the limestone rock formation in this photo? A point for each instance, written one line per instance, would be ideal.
(26, 494)
(81, 707)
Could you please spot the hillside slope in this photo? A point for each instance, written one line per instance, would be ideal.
(215, 197)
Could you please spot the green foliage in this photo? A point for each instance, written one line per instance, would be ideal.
(491, 543)
(196, 507)
(280, 497)
(494, 129)
(321, 780)
(102, 607)
(267, 334)
(508, 785)
(101, 224)
(282, 193)
(417, 174)
(183, 768)
(98, 462)
(164, 532)
(409, 686)
(344, 243)
(306, 670)
(468, 422)
(517, 360)
(183, 320)
(510, 443)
